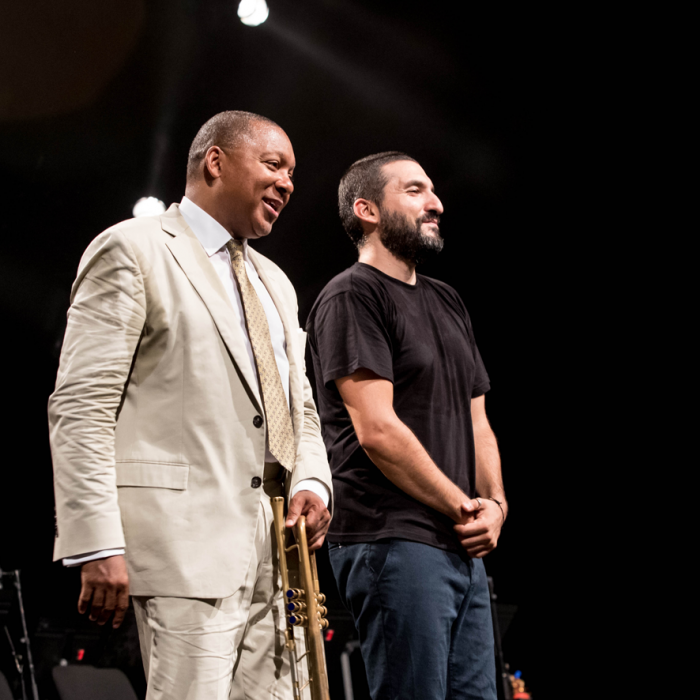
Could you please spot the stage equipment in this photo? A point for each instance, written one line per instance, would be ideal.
(304, 605)
(73, 640)
(5, 692)
(253, 12)
(504, 688)
(148, 206)
(84, 682)
(24, 640)
(351, 646)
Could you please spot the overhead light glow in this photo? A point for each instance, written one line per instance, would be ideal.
(148, 206)
(253, 12)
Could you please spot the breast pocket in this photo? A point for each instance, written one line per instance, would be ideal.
(159, 475)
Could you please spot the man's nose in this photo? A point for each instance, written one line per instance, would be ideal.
(436, 205)
(284, 184)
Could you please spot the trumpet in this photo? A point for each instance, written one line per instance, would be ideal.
(304, 605)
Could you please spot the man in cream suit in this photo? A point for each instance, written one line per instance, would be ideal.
(166, 437)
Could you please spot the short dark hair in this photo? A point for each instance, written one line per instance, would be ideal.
(223, 129)
(364, 179)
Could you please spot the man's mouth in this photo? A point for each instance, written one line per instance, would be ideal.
(433, 223)
(274, 204)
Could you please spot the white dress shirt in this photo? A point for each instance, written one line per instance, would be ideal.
(214, 237)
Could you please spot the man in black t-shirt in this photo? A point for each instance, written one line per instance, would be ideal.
(416, 469)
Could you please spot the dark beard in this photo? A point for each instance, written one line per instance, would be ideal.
(406, 241)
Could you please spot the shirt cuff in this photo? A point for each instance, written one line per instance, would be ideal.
(91, 556)
(315, 485)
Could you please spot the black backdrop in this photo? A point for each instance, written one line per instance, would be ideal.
(99, 103)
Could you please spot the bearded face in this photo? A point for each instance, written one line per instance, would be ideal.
(413, 241)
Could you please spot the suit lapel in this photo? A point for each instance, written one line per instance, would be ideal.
(291, 336)
(194, 262)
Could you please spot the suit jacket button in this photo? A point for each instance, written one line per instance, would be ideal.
(257, 421)
(255, 482)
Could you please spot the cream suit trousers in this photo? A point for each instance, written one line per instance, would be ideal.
(226, 648)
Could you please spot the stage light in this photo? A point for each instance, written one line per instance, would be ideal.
(148, 206)
(253, 12)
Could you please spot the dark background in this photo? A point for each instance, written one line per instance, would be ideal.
(98, 105)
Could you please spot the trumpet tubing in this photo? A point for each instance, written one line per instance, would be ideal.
(304, 604)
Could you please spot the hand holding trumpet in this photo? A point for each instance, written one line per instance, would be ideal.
(308, 504)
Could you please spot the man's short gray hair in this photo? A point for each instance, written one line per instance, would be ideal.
(225, 130)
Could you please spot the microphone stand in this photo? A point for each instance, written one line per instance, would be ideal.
(14, 575)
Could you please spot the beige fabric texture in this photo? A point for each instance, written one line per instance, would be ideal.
(151, 423)
(222, 649)
(280, 433)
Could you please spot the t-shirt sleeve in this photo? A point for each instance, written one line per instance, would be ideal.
(482, 383)
(481, 378)
(349, 333)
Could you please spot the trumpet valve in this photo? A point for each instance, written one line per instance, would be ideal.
(296, 606)
(322, 610)
(320, 598)
(295, 593)
(323, 623)
(297, 620)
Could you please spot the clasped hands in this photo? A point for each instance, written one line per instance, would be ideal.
(480, 526)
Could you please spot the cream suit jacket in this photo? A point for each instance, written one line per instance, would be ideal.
(153, 420)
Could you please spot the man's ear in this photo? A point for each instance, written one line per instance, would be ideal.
(366, 211)
(212, 163)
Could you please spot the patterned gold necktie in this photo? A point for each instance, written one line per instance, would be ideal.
(280, 433)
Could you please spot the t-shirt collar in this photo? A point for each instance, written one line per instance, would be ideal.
(210, 233)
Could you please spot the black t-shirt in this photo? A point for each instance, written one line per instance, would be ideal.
(420, 338)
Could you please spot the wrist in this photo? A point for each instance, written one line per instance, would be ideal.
(501, 503)
(457, 512)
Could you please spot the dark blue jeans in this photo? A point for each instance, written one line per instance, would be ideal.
(424, 620)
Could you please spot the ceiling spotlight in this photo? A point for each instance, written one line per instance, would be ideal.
(253, 12)
(148, 206)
